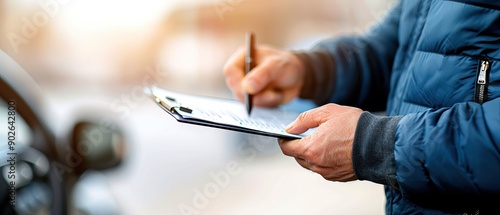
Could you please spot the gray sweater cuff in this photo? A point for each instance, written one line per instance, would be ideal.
(373, 149)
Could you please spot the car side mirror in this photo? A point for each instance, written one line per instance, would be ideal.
(100, 147)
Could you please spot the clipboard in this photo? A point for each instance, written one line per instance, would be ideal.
(226, 114)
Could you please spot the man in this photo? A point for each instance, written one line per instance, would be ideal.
(433, 66)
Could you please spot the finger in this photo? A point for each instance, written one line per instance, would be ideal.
(235, 87)
(261, 76)
(323, 171)
(268, 98)
(303, 163)
(233, 70)
(236, 61)
(292, 148)
(306, 120)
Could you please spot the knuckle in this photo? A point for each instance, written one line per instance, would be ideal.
(324, 111)
(304, 116)
(329, 107)
(311, 154)
(275, 60)
(265, 50)
(261, 72)
(308, 154)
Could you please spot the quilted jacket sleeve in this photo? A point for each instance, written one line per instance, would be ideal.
(353, 70)
(450, 154)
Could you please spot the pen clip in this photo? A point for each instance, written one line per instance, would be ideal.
(250, 52)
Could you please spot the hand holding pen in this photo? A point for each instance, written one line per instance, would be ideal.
(276, 78)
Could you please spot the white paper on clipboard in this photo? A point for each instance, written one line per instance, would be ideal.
(225, 113)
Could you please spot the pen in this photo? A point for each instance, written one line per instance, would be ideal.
(249, 65)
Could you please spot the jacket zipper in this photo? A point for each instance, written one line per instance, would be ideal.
(482, 81)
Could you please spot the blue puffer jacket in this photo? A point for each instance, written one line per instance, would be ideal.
(436, 65)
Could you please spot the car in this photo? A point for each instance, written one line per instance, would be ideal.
(38, 174)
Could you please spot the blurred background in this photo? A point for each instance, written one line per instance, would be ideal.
(92, 58)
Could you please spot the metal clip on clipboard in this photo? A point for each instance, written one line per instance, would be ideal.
(169, 104)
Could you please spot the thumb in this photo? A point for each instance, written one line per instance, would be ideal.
(259, 78)
(305, 121)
